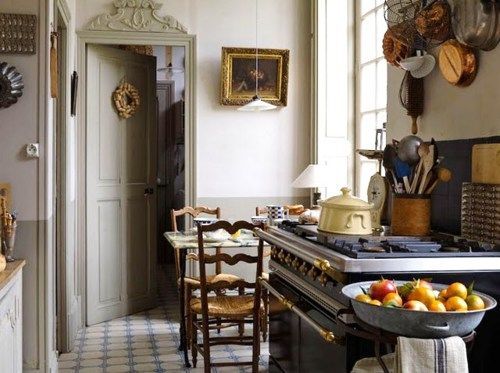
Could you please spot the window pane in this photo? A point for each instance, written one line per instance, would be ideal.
(367, 131)
(368, 168)
(367, 5)
(368, 34)
(379, 2)
(381, 119)
(368, 87)
(381, 84)
(337, 73)
(381, 28)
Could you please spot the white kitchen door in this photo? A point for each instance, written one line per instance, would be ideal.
(121, 179)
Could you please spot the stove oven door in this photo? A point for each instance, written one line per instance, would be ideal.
(284, 330)
(317, 355)
(296, 343)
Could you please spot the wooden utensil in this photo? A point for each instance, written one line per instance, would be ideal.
(428, 162)
(486, 163)
(444, 175)
(458, 63)
(423, 150)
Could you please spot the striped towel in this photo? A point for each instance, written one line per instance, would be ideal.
(447, 355)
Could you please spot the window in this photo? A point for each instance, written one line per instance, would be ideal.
(350, 83)
(371, 85)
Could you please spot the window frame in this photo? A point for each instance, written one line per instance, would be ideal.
(358, 113)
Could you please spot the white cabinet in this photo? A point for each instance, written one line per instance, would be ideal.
(11, 357)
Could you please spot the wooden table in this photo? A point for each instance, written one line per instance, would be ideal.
(188, 241)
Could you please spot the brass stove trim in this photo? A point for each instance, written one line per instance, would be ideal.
(327, 335)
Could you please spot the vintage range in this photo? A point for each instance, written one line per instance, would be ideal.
(308, 269)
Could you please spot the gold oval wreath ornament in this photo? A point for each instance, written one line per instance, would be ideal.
(127, 100)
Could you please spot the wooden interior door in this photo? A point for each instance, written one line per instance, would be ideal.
(121, 181)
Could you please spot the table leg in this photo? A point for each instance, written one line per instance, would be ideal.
(182, 296)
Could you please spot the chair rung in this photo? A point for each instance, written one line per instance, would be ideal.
(239, 363)
(225, 343)
(231, 339)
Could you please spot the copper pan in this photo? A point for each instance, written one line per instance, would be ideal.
(458, 63)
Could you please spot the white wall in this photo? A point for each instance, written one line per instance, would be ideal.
(451, 112)
(244, 155)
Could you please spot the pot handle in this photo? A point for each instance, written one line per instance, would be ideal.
(351, 218)
(438, 328)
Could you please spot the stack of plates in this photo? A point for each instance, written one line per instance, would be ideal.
(481, 212)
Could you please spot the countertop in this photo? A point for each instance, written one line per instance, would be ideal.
(10, 272)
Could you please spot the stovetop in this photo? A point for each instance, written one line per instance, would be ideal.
(386, 246)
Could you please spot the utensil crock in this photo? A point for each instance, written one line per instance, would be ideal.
(411, 215)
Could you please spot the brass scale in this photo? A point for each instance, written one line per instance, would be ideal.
(378, 187)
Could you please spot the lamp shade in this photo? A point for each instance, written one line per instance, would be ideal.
(314, 176)
(257, 105)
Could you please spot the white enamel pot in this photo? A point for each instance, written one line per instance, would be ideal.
(345, 214)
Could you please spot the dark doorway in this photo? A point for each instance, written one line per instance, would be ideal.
(170, 163)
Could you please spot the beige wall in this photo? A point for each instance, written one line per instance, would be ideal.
(451, 112)
(243, 155)
(240, 156)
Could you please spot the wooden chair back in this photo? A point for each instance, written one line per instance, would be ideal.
(232, 260)
(192, 211)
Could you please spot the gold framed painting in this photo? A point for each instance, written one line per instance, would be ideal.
(238, 78)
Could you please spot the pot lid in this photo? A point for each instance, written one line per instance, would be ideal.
(346, 200)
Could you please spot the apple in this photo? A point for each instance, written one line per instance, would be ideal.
(415, 305)
(379, 289)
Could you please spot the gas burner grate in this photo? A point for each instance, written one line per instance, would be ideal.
(379, 246)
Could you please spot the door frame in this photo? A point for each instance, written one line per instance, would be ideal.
(61, 120)
(84, 38)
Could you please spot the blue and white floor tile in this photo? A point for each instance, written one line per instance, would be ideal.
(146, 342)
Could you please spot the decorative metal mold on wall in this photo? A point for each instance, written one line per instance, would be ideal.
(18, 33)
(11, 85)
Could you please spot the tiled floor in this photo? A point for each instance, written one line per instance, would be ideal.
(146, 342)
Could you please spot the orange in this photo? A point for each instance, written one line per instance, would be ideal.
(365, 298)
(474, 302)
(375, 302)
(437, 306)
(442, 295)
(392, 299)
(456, 303)
(456, 289)
(422, 294)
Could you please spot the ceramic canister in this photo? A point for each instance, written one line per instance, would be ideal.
(275, 212)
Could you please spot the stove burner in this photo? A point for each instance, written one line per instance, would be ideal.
(373, 249)
(382, 246)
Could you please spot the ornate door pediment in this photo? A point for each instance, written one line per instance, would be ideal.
(136, 15)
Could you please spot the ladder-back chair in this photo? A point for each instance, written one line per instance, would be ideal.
(232, 309)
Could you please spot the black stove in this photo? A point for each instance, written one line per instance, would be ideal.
(386, 246)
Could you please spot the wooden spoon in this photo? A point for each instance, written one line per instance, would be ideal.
(423, 150)
(444, 175)
(428, 162)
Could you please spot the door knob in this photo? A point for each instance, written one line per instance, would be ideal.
(148, 191)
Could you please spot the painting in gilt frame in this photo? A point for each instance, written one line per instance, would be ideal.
(238, 76)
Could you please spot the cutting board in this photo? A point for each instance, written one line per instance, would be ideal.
(486, 163)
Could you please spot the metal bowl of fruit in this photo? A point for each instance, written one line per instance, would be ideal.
(417, 308)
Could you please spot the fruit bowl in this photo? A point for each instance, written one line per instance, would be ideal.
(417, 324)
